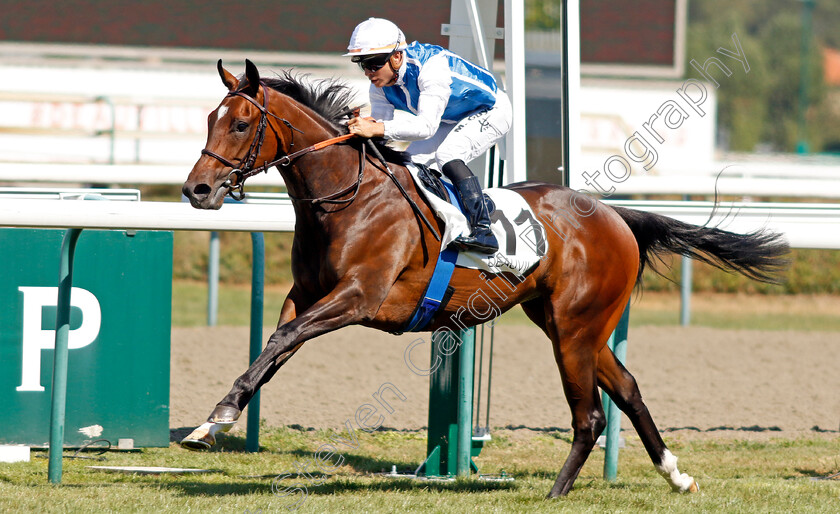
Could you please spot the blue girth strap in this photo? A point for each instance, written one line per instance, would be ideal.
(436, 292)
(433, 298)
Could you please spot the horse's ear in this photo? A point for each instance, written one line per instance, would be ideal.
(253, 76)
(227, 77)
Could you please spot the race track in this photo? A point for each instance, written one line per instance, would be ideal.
(695, 380)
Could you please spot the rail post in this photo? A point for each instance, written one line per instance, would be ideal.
(466, 363)
(252, 437)
(685, 292)
(685, 286)
(450, 444)
(62, 332)
(618, 344)
(112, 132)
(213, 280)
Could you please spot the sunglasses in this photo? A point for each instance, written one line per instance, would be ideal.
(372, 63)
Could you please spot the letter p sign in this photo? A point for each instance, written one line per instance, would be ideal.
(35, 338)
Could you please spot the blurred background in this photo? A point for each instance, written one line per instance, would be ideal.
(131, 83)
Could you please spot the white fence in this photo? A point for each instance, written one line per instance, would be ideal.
(140, 174)
(91, 103)
(275, 217)
(805, 225)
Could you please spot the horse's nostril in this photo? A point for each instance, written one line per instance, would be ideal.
(202, 189)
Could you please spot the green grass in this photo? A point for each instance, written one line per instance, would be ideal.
(189, 308)
(189, 304)
(773, 475)
(811, 271)
(735, 320)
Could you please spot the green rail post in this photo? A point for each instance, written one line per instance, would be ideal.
(112, 132)
(465, 400)
(449, 442)
(685, 286)
(62, 332)
(252, 437)
(618, 344)
(804, 75)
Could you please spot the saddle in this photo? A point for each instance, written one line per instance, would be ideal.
(430, 178)
(514, 224)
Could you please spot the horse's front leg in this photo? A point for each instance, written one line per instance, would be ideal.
(343, 306)
(204, 436)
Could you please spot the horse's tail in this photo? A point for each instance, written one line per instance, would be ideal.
(759, 255)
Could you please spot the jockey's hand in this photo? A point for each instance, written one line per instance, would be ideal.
(366, 127)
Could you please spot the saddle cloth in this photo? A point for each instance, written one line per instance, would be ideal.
(521, 236)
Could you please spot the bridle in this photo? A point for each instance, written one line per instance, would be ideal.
(235, 180)
(236, 189)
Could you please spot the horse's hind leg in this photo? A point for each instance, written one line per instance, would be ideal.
(622, 388)
(576, 358)
(578, 372)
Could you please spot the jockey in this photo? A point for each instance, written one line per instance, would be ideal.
(454, 111)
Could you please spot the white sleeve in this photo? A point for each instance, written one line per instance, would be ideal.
(433, 82)
(380, 108)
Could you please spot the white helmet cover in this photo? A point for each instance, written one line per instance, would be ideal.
(375, 36)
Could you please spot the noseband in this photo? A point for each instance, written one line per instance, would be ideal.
(235, 181)
(235, 189)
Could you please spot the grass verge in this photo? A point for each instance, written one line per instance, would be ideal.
(716, 310)
(775, 475)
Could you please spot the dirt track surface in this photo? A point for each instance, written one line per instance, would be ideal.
(693, 379)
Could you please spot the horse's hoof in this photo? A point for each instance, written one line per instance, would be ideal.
(204, 437)
(688, 485)
(224, 414)
(191, 443)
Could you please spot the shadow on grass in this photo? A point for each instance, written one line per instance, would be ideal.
(815, 475)
(327, 485)
(723, 428)
(350, 485)
(224, 442)
(332, 485)
(195, 488)
(363, 463)
(360, 463)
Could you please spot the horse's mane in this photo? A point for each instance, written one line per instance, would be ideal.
(330, 98)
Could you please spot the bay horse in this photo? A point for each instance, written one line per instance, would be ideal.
(362, 255)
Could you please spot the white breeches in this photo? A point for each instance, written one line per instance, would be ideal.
(466, 139)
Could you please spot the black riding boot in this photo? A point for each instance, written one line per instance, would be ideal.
(481, 239)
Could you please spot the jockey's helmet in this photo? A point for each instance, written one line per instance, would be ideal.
(375, 36)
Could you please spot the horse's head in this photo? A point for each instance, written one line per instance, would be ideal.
(236, 140)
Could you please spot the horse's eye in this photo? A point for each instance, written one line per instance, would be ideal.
(240, 126)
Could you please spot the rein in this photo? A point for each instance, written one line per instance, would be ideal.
(329, 198)
(236, 189)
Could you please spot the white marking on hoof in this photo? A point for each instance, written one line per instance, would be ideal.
(680, 482)
(192, 443)
(203, 437)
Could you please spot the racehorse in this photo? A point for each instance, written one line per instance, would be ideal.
(364, 251)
